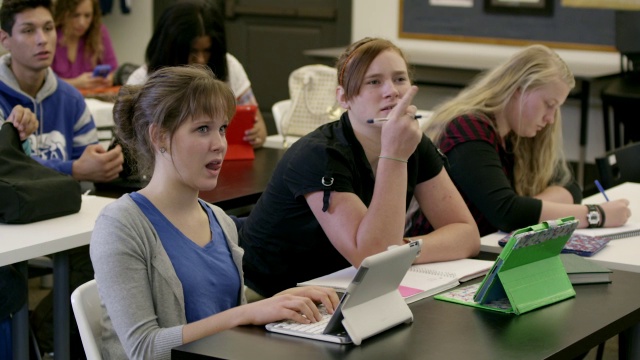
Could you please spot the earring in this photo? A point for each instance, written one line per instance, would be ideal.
(163, 150)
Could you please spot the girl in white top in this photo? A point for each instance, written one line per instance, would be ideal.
(194, 33)
(237, 79)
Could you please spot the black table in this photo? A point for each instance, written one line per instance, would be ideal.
(444, 330)
(241, 182)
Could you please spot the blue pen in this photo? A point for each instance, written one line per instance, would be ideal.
(601, 190)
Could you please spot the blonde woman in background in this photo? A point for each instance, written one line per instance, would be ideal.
(503, 139)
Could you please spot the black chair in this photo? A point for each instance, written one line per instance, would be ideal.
(619, 165)
(123, 72)
(622, 95)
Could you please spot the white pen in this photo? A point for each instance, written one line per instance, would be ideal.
(371, 121)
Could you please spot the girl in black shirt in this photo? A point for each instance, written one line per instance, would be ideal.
(341, 193)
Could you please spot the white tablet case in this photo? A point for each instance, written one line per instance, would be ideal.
(372, 302)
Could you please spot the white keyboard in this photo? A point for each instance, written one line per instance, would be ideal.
(312, 328)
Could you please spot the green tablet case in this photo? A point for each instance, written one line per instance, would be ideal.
(528, 273)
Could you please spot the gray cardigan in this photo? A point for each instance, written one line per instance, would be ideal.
(141, 295)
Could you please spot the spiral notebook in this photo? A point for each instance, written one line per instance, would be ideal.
(462, 269)
(629, 229)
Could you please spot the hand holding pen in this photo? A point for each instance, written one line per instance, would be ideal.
(617, 212)
(400, 134)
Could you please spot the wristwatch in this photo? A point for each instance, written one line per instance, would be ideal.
(593, 216)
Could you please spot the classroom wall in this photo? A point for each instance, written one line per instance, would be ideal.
(594, 31)
(131, 32)
(380, 18)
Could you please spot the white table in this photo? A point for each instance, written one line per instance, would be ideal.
(102, 112)
(621, 254)
(20, 243)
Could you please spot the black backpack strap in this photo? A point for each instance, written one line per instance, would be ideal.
(327, 183)
(444, 157)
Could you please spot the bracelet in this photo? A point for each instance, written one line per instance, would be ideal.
(602, 215)
(393, 158)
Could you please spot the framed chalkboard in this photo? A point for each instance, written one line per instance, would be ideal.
(567, 27)
(519, 7)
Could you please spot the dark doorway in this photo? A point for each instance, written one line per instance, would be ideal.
(269, 36)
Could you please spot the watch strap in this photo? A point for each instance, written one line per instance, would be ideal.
(602, 215)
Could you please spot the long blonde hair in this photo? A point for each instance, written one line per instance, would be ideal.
(540, 160)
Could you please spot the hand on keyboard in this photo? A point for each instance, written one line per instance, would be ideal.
(313, 328)
(281, 307)
(319, 295)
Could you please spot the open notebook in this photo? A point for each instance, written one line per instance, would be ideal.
(421, 281)
(627, 230)
(527, 274)
(370, 305)
(243, 120)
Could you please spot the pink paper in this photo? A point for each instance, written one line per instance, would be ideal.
(406, 291)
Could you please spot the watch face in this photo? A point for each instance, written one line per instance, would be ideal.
(593, 217)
